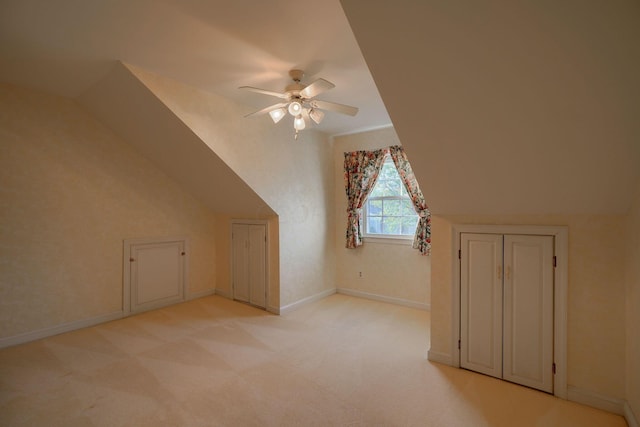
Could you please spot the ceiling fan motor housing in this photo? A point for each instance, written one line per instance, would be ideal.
(296, 75)
(293, 89)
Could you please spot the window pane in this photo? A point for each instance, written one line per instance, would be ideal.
(409, 225)
(392, 207)
(375, 207)
(389, 209)
(388, 171)
(407, 207)
(393, 187)
(383, 188)
(374, 225)
(403, 191)
(378, 190)
(391, 225)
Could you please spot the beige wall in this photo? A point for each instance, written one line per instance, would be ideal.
(71, 191)
(596, 294)
(633, 306)
(294, 177)
(390, 270)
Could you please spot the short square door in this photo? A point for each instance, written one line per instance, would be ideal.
(157, 274)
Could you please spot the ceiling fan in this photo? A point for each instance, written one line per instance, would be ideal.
(299, 101)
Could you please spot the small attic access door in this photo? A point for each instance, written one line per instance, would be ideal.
(155, 273)
(249, 262)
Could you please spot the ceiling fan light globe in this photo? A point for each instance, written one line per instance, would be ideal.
(298, 123)
(316, 115)
(277, 115)
(295, 108)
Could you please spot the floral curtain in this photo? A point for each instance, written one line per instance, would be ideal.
(361, 169)
(422, 239)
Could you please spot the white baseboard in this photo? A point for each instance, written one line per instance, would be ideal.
(596, 400)
(223, 293)
(58, 329)
(435, 356)
(295, 305)
(200, 294)
(632, 421)
(383, 298)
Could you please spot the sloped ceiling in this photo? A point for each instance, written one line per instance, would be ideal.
(504, 107)
(511, 107)
(66, 46)
(126, 105)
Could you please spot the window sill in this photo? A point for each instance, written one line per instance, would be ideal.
(389, 240)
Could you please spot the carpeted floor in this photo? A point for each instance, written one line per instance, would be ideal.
(341, 361)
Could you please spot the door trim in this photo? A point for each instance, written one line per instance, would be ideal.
(561, 251)
(267, 255)
(126, 266)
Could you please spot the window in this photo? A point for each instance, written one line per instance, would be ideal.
(389, 210)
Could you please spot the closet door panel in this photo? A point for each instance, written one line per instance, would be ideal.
(257, 265)
(481, 303)
(240, 245)
(528, 311)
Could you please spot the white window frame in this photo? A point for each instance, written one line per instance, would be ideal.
(398, 239)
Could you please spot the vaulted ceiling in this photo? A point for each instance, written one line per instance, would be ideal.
(66, 46)
(510, 107)
(504, 107)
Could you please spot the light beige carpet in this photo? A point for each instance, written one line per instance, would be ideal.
(341, 361)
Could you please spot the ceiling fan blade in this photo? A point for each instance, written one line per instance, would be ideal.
(265, 92)
(316, 88)
(332, 106)
(268, 109)
(316, 115)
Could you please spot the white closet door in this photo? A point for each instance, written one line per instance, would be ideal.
(240, 242)
(249, 243)
(528, 311)
(481, 303)
(257, 265)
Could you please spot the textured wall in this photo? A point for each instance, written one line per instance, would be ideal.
(441, 277)
(633, 306)
(70, 192)
(596, 323)
(294, 177)
(391, 270)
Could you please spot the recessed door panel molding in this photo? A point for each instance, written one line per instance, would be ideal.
(154, 274)
(531, 276)
(258, 267)
(481, 301)
(249, 261)
(240, 262)
(528, 311)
